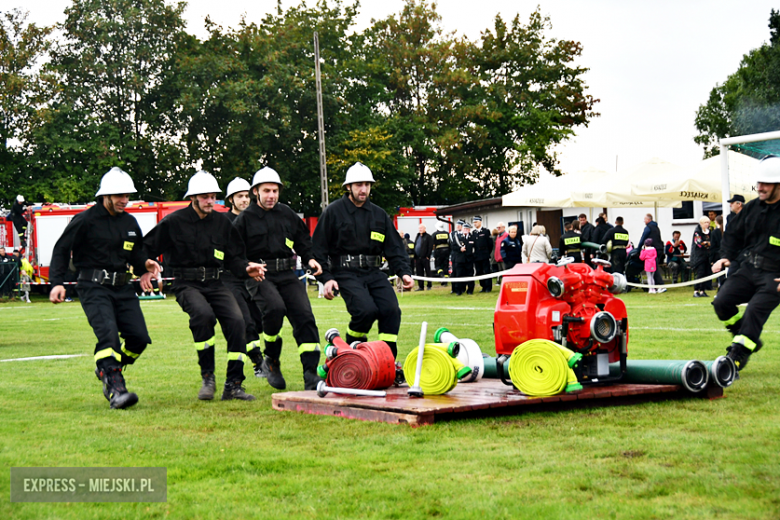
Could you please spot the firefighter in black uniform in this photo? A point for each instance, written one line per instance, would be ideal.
(569, 245)
(483, 247)
(354, 234)
(616, 240)
(458, 257)
(103, 241)
(271, 231)
(197, 243)
(237, 196)
(441, 252)
(753, 237)
(19, 220)
(468, 249)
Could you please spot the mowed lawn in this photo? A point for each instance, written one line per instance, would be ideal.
(690, 458)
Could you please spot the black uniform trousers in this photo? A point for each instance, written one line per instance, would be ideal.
(20, 223)
(483, 267)
(113, 311)
(282, 294)
(618, 261)
(253, 318)
(205, 303)
(423, 269)
(464, 269)
(370, 297)
(755, 287)
(441, 258)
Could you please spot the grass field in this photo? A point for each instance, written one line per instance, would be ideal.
(678, 459)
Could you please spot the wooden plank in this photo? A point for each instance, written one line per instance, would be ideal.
(471, 400)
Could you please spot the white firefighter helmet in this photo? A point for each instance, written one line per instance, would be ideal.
(266, 174)
(116, 182)
(769, 170)
(20, 198)
(440, 226)
(202, 182)
(236, 185)
(358, 172)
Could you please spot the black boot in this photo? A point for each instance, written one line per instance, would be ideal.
(257, 361)
(739, 354)
(114, 388)
(734, 329)
(273, 372)
(310, 379)
(234, 390)
(209, 387)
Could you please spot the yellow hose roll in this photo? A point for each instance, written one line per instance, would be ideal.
(438, 372)
(540, 368)
(461, 369)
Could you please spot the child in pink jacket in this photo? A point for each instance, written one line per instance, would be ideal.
(649, 255)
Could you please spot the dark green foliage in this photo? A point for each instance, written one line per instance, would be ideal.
(748, 102)
(438, 119)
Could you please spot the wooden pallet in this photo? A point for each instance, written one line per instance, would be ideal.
(487, 397)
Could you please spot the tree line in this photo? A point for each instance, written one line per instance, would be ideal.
(440, 119)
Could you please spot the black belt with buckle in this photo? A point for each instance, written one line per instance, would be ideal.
(104, 277)
(198, 274)
(760, 262)
(360, 261)
(274, 265)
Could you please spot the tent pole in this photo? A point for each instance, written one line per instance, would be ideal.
(724, 181)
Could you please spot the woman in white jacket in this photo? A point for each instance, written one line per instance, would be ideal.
(536, 246)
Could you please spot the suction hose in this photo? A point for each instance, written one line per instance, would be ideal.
(542, 368)
(692, 375)
(368, 366)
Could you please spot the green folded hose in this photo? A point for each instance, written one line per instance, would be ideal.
(693, 374)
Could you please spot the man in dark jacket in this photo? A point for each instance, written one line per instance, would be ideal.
(675, 249)
(753, 236)
(198, 243)
(351, 237)
(616, 240)
(274, 234)
(571, 243)
(423, 247)
(483, 247)
(601, 230)
(20, 221)
(652, 231)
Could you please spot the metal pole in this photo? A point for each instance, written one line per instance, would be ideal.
(320, 126)
(725, 183)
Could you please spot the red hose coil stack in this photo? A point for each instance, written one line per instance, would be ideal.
(369, 366)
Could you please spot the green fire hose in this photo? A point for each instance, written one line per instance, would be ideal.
(542, 368)
(693, 375)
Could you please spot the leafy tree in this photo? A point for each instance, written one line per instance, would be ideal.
(104, 112)
(21, 90)
(748, 102)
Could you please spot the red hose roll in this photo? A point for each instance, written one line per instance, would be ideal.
(370, 366)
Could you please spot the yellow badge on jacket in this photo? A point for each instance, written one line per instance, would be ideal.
(219, 255)
(379, 237)
(288, 243)
(129, 246)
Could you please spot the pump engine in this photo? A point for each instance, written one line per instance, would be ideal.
(571, 304)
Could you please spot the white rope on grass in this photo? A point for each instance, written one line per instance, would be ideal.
(38, 358)
(681, 284)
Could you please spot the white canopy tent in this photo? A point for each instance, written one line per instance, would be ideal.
(699, 182)
(614, 191)
(554, 192)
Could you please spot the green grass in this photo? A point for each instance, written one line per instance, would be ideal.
(678, 459)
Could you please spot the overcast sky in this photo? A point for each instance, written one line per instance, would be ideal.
(651, 63)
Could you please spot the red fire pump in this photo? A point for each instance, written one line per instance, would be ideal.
(571, 304)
